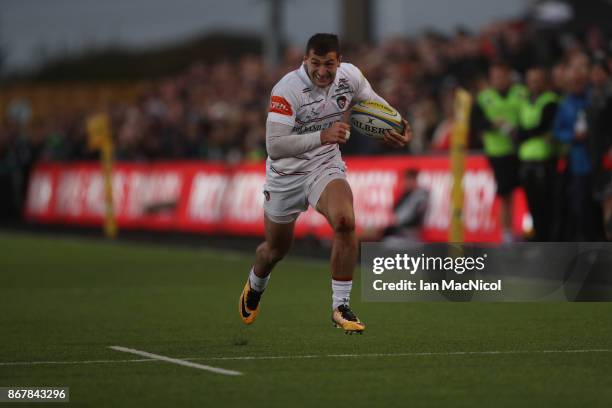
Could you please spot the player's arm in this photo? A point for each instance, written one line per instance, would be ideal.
(281, 143)
(365, 92)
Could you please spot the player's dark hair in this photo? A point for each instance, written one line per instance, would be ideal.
(323, 43)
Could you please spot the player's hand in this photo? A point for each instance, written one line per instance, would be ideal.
(397, 140)
(339, 132)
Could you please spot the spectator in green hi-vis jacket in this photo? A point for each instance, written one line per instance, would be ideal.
(495, 118)
(536, 152)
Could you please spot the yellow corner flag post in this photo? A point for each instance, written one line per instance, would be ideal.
(459, 138)
(98, 129)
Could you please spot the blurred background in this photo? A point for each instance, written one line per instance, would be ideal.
(186, 86)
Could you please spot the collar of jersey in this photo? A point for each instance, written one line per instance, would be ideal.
(303, 74)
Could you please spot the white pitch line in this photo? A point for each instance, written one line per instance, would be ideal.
(265, 357)
(185, 363)
(27, 363)
(416, 354)
(314, 356)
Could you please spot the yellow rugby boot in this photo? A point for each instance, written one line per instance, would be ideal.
(248, 305)
(344, 318)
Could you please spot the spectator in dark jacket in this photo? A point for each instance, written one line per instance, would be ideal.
(409, 212)
(600, 142)
(571, 128)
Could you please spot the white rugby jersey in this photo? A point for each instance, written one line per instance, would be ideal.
(297, 102)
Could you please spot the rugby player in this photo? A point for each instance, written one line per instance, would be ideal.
(304, 129)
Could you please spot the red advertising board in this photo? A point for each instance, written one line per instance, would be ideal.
(218, 198)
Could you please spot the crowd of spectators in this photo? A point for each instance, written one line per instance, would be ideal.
(217, 111)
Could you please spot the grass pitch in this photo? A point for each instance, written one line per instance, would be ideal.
(63, 302)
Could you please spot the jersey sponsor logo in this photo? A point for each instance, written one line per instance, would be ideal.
(322, 118)
(280, 105)
(341, 101)
(312, 128)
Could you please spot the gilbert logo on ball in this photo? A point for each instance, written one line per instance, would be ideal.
(372, 119)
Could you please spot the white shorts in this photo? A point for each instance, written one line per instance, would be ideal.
(284, 206)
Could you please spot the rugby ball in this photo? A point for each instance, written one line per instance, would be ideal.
(372, 119)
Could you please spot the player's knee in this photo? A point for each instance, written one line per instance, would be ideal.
(271, 255)
(276, 254)
(343, 224)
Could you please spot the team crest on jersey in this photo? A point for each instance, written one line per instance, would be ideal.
(341, 101)
(280, 105)
(267, 195)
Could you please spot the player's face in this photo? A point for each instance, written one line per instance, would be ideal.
(322, 68)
